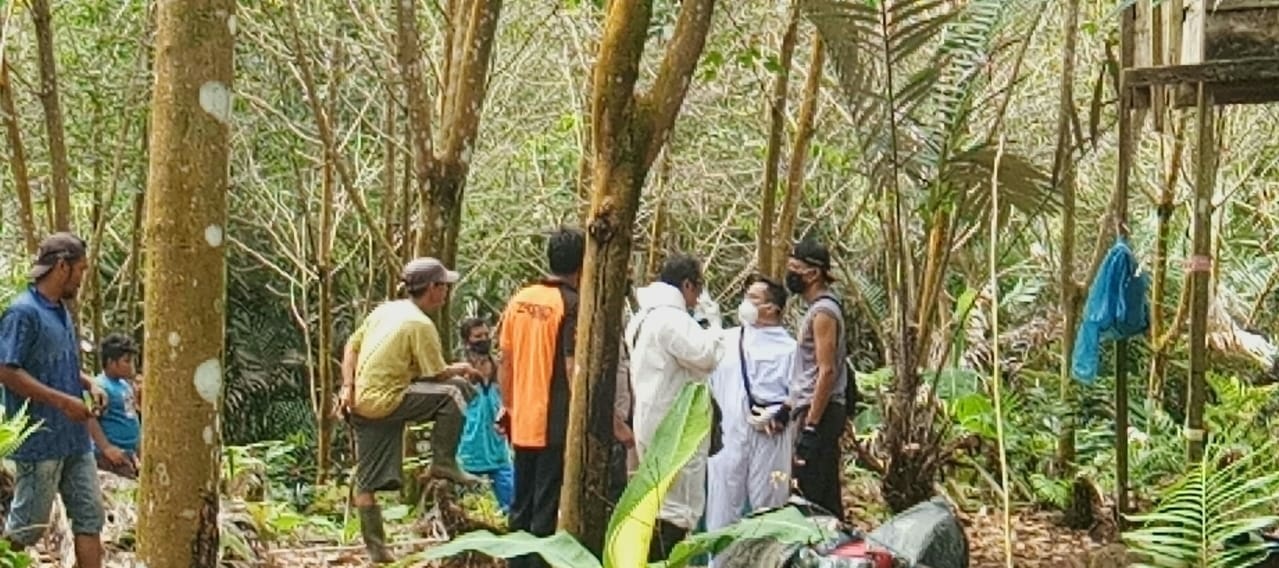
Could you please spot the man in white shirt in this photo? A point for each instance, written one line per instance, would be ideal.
(668, 350)
(750, 386)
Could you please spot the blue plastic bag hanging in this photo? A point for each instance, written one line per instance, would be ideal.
(1117, 308)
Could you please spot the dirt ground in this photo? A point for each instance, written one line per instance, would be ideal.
(1038, 540)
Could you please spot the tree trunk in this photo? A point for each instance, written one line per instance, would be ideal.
(785, 232)
(186, 282)
(1162, 334)
(324, 125)
(441, 175)
(1064, 178)
(18, 161)
(52, 115)
(628, 131)
(773, 154)
(1201, 270)
(324, 351)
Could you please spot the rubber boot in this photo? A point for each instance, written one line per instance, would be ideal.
(374, 535)
(445, 437)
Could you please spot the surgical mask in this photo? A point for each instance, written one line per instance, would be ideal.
(481, 347)
(795, 282)
(747, 313)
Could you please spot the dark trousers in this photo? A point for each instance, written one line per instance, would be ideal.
(665, 536)
(820, 479)
(539, 474)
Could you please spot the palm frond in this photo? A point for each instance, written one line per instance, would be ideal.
(1199, 517)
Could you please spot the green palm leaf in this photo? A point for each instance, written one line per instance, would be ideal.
(1213, 502)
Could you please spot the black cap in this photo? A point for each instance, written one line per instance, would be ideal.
(812, 253)
(422, 272)
(56, 247)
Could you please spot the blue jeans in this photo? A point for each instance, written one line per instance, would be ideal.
(75, 477)
(503, 486)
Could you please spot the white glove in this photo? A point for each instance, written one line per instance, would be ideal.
(764, 419)
(706, 309)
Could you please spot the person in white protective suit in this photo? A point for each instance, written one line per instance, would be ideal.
(750, 386)
(668, 350)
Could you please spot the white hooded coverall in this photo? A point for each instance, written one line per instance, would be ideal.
(753, 469)
(670, 350)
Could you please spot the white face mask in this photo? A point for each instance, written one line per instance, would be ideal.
(747, 313)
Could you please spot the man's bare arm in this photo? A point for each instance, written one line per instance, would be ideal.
(349, 357)
(22, 383)
(505, 375)
(825, 335)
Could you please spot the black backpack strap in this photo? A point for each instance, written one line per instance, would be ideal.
(741, 360)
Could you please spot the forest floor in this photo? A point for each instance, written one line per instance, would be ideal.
(1039, 542)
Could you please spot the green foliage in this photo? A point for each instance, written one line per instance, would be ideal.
(677, 439)
(10, 558)
(270, 470)
(14, 430)
(560, 550)
(1218, 499)
(678, 436)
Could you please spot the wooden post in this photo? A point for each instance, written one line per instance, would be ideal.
(1126, 57)
(1200, 267)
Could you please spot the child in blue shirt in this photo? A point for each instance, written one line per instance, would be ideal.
(119, 419)
(483, 450)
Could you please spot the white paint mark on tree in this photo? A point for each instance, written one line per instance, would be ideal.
(208, 380)
(213, 235)
(174, 339)
(208, 435)
(230, 24)
(162, 474)
(215, 99)
(188, 514)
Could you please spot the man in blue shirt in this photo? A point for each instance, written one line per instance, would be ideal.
(119, 420)
(40, 369)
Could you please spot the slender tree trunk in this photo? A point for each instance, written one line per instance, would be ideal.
(1064, 179)
(17, 161)
(328, 140)
(132, 313)
(1201, 270)
(628, 131)
(186, 282)
(773, 154)
(804, 131)
(325, 340)
(1162, 334)
(42, 17)
(657, 232)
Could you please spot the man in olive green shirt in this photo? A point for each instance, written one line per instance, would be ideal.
(393, 373)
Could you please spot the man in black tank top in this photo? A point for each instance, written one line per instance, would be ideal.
(818, 393)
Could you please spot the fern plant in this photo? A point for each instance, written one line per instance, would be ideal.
(14, 430)
(1201, 519)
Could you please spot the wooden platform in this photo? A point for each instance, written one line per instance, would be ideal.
(1242, 81)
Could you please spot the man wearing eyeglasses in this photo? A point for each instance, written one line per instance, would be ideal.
(669, 349)
(393, 373)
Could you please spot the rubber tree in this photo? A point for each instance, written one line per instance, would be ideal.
(440, 166)
(629, 130)
(185, 282)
